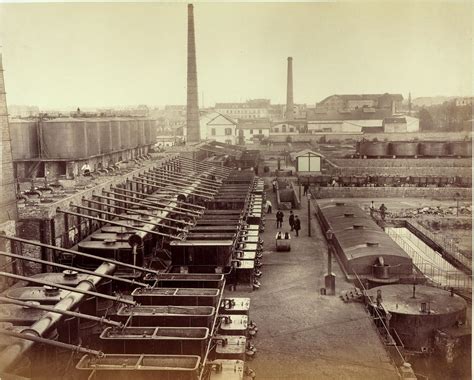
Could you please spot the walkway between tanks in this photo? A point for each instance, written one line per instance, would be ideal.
(302, 334)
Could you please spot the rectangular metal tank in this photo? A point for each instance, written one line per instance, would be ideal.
(168, 316)
(156, 340)
(189, 280)
(143, 367)
(176, 296)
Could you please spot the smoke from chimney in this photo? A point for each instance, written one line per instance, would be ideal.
(289, 114)
(192, 110)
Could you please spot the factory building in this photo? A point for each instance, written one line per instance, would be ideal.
(218, 127)
(250, 132)
(349, 103)
(251, 109)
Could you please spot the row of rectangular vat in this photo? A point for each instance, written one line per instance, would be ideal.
(363, 248)
(415, 149)
(74, 138)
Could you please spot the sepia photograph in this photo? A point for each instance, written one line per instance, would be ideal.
(245, 190)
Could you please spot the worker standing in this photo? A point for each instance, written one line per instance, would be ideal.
(86, 170)
(305, 189)
(274, 185)
(268, 205)
(291, 220)
(297, 225)
(383, 210)
(279, 216)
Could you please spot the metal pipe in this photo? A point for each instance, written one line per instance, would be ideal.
(181, 181)
(154, 184)
(179, 176)
(27, 335)
(173, 173)
(141, 204)
(11, 354)
(150, 195)
(124, 217)
(188, 166)
(178, 184)
(203, 164)
(70, 251)
(137, 211)
(117, 223)
(30, 305)
(81, 270)
(70, 288)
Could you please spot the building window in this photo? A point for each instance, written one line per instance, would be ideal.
(213, 131)
(292, 129)
(283, 128)
(259, 131)
(228, 131)
(276, 130)
(251, 131)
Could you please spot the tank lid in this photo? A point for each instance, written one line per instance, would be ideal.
(348, 214)
(70, 274)
(50, 291)
(372, 244)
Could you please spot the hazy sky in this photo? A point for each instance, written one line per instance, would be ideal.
(58, 55)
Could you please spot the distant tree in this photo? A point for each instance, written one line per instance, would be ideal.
(426, 121)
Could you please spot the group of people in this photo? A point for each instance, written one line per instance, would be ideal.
(382, 210)
(293, 220)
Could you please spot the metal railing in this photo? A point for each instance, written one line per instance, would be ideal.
(439, 272)
(447, 243)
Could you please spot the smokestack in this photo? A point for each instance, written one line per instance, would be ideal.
(8, 208)
(192, 111)
(289, 115)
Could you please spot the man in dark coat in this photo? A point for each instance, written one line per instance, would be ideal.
(279, 216)
(291, 220)
(297, 225)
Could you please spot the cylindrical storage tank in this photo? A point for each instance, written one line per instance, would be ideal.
(404, 148)
(141, 132)
(64, 138)
(105, 136)
(24, 137)
(147, 132)
(456, 148)
(433, 148)
(116, 137)
(373, 149)
(417, 314)
(125, 134)
(93, 137)
(133, 133)
(153, 132)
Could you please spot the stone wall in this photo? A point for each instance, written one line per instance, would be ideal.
(404, 162)
(391, 192)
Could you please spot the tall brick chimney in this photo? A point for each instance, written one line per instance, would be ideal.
(289, 114)
(192, 110)
(8, 207)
